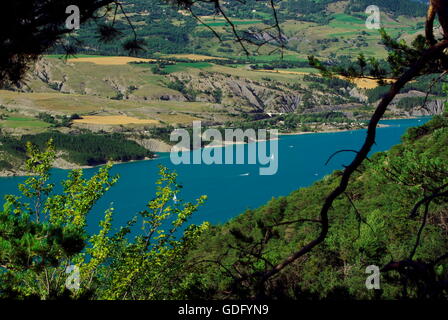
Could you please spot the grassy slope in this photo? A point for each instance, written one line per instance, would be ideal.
(94, 88)
(21, 122)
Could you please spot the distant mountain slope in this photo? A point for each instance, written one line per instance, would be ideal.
(396, 7)
(318, 27)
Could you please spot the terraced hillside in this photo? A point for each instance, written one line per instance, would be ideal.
(319, 27)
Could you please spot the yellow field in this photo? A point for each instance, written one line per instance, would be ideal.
(114, 120)
(192, 57)
(284, 72)
(110, 61)
(361, 83)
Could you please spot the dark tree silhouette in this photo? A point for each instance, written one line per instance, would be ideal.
(439, 8)
(28, 28)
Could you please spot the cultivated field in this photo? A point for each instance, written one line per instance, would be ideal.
(192, 57)
(361, 83)
(19, 121)
(110, 61)
(114, 120)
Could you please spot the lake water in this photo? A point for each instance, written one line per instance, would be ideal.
(231, 189)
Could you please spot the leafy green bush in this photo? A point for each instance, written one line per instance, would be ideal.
(42, 233)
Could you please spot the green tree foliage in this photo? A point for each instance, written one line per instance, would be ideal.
(310, 10)
(42, 233)
(291, 122)
(396, 7)
(409, 103)
(84, 149)
(423, 83)
(56, 121)
(182, 87)
(149, 266)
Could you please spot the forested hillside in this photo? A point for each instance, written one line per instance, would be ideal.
(372, 224)
(84, 149)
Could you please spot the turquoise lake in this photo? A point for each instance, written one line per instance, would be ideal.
(231, 189)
